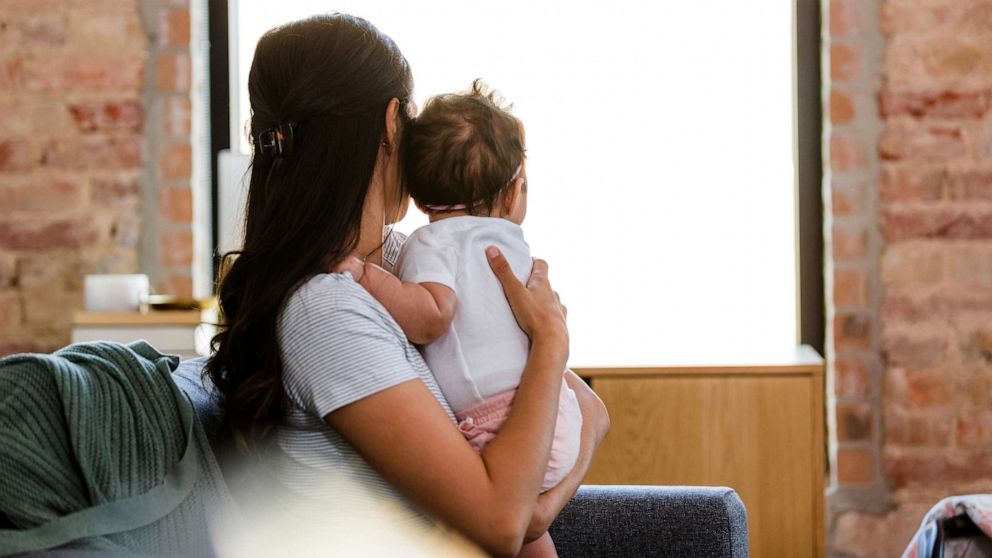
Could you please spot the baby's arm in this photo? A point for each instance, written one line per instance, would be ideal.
(423, 310)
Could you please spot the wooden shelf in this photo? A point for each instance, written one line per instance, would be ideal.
(130, 319)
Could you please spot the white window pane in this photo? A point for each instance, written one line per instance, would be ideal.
(660, 144)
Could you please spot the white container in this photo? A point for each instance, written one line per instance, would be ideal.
(115, 293)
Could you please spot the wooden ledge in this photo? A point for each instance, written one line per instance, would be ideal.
(802, 360)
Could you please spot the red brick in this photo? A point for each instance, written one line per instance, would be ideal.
(971, 185)
(854, 422)
(970, 265)
(73, 233)
(942, 104)
(177, 204)
(42, 30)
(974, 428)
(94, 152)
(914, 354)
(912, 264)
(176, 115)
(11, 74)
(10, 310)
(917, 390)
(855, 466)
(14, 155)
(850, 289)
(176, 162)
(922, 142)
(902, 223)
(174, 27)
(919, 429)
(41, 194)
(177, 248)
(8, 270)
(902, 183)
(851, 378)
(947, 59)
(846, 198)
(51, 308)
(52, 271)
(115, 192)
(90, 32)
(58, 74)
(973, 391)
(909, 305)
(848, 244)
(841, 107)
(845, 153)
(852, 331)
(843, 18)
(172, 72)
(976, 348)
(937, 468)
(8, 348)
(912, 16)
(108, 116)
(844, 62)
(178, 285)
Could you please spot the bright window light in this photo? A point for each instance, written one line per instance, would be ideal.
(660, 156)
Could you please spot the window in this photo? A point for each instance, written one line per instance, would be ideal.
(661, 152)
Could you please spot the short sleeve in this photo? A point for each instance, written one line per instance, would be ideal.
(425, 259)
(337, 349)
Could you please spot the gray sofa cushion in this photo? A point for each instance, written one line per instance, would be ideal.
(621, 521)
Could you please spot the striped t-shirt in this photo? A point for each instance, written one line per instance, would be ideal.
(339, 345)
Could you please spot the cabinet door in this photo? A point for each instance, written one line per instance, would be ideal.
(751, 433)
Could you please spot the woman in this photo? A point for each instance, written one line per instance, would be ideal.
(312, 364)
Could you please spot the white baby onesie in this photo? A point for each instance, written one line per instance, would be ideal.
(484, 351)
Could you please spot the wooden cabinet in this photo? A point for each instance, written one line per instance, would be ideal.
(756, 426)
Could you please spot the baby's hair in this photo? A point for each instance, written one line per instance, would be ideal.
(464, 148)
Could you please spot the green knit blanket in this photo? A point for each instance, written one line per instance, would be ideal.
(99, 449)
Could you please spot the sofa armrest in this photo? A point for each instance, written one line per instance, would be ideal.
(619, 521)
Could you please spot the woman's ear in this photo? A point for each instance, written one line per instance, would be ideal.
(392, 121)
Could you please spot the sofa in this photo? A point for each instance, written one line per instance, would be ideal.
(607, 521)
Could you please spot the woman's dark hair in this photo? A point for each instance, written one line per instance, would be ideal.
(330, 79)
(464, 148)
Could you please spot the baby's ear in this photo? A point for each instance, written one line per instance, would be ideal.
(513, 195)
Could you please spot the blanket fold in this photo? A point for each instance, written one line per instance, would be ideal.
(99, 449)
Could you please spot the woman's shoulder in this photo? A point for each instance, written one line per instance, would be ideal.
(326, 301)
(339, 345)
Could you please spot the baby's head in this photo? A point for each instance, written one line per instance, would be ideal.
(465, 154)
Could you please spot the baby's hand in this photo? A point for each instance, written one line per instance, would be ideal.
(353, 265)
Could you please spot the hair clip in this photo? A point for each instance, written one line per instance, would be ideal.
(277, 141)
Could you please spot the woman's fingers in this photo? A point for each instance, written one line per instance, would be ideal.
(538, 272)
(503, 271)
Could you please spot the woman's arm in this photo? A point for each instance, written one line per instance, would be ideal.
(423, 311)
(405, 435)
(595, 426)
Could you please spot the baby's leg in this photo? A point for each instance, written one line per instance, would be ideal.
(543, 547)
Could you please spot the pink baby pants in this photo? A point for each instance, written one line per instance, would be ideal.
(481, 423)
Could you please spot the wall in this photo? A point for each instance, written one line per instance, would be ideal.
(94, 155)
(909, 180)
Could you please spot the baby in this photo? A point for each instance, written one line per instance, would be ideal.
(466, 169)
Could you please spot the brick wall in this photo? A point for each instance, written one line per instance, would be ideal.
(94, 155)
(910, 184)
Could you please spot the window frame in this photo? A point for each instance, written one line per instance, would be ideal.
(811, 322)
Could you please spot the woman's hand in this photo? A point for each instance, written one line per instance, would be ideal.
(595, 426)
(536, 306)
